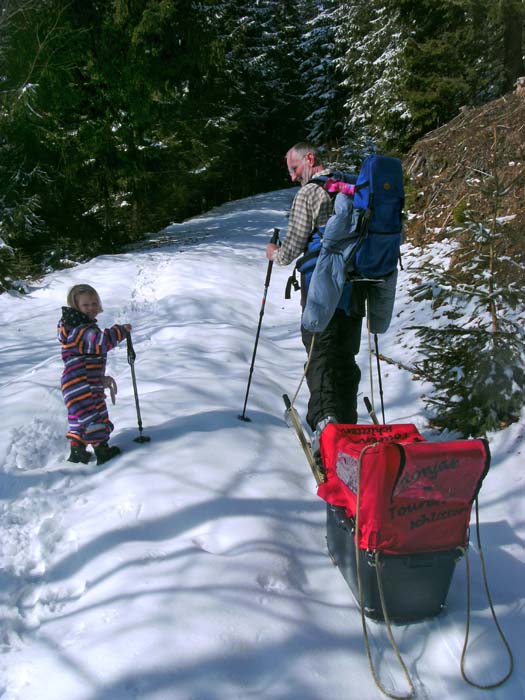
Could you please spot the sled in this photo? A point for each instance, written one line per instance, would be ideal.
(398, 506)
(411, 587)
(398, 514)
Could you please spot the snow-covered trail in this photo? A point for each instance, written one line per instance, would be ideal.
(194, 567)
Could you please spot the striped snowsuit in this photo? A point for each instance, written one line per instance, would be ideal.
(84, 350)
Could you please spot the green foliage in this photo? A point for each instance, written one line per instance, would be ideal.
(411, 194)
(322, 75)
(478, 378)
(119, 117)
(371, 46)
(262, 90)
(440, 51)
(476, 361)
(6, 266)
(459, 214)
(103, 121)
(409, 65)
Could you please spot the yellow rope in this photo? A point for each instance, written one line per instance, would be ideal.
(370, 353)
(378, 683)
(310, 353)
(467, 627)
(318, 473)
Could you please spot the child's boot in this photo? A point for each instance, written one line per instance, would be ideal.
(104, 452)
(79, 454)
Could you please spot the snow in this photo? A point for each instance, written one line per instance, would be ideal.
(3, 244)
(194, 566)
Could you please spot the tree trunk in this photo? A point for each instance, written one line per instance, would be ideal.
(512, 14)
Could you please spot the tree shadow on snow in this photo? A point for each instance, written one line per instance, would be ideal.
(200, 422)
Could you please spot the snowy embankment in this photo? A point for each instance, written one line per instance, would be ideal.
(194, 567)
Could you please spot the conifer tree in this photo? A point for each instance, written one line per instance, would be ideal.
(116, 117)
(22, 178)
(476, 359)
(511, 14)
(109, 99)
(371, 49)
(458, 52)
(323, 90)
(263, 87)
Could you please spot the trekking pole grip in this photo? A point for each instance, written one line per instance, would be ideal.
(131, 350)
(274, 240)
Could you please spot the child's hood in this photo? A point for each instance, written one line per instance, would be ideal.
(71, 318)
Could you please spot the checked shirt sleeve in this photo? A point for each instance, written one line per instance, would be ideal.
(311, 208)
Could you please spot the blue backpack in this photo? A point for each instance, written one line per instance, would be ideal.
(360, 245)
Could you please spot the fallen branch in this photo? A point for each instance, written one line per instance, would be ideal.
(390, 361)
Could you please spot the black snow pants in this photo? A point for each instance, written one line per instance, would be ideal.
(333, 375)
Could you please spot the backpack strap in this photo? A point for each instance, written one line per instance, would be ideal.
(292, 282)
(337, 182)
(303, 261)
(333, 183)
(304, 265)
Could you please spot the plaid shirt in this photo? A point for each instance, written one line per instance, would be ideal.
(311, 208)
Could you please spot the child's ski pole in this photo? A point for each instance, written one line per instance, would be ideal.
(131, 360)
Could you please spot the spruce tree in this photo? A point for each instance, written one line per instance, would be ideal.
(324, 95)
(438, 60)
(23, 179)
(107, 115)
(263, 98)
(511, 14)
(371, 56)
(476, 359)
(458, 52)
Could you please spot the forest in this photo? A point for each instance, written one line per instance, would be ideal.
(120, 116)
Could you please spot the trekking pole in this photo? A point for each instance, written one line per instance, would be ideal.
(274, 239)
(131, 360)
(379, 378)
(370, 403)
(370, 410)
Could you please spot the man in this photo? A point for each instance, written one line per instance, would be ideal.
(332, 375)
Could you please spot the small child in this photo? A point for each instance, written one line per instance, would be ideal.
(84, 350)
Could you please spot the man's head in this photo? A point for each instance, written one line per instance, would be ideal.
(303, 160)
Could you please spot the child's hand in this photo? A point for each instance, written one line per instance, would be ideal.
(127, 327)
(109, 383)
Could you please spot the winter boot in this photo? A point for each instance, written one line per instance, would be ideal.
(316, 437)
(104, 452)
(79, 454)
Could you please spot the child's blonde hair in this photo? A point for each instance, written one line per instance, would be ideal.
(77, 290)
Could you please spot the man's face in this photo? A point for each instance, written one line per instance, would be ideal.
(299, 167)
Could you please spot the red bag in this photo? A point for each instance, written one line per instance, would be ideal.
(414, 495)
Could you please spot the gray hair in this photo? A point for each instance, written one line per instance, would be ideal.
(303, 147)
